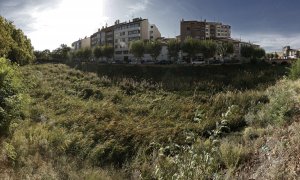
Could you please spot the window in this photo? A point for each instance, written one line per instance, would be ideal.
(125, 52)
(118, 52)
(133, 32)
(188, 28)
(133, 38)
(151, 26)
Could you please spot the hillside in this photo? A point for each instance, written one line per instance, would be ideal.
(83, 126)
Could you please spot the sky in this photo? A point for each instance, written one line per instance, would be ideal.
(49, 23)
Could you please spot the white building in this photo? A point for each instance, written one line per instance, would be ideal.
(125, 33)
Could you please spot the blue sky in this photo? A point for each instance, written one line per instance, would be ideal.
(270, 23)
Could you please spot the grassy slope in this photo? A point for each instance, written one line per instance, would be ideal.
(79, 122)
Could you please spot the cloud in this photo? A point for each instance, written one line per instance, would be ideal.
(20, 11)
(273, 41)
(138, 7)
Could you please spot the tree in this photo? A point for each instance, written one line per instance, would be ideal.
(252, 53)
(98, 52)
(247, 51)
(87, 54)
(137, 48)
(61, 53)
(225, 49)
(276, 56)
(108, 51)
(208, 48)
(191, 47)
(14, 44)
(173, 48)
(153, 48)
(258, 53)
(44, 55)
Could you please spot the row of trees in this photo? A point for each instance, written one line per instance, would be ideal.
(14, 45)
(252, 52)
(192, 47)
(64, 53)
(139, 48)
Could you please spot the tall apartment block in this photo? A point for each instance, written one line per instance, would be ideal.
(204, 30)
(126, 32)
(104, 36)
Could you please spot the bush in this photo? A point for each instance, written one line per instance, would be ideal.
(281, 107)
(12, 101)
(295, 70)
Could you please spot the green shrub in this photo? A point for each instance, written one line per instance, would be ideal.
(295, 70)
(12, 101)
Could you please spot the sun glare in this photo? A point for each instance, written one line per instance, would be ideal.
(70, 20)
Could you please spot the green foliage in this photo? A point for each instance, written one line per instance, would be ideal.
(194, 162)
(84, 54)
(44, 55)
(280, 107)
(295, 70)
(208, 48)
(137, 48)
(98, 52)
(108, 51)
(61, 53)
(191, 47)
(173, 48)
(14, 44)
(252, 52)
(247, 51)
(225, 49)
(153, 48)
(12, 101)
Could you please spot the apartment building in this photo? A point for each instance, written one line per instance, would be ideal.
(82, 43)
(204, 30)
(126, 32)
(98, 39)
(289, 53)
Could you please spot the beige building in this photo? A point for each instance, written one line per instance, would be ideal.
(82, 43)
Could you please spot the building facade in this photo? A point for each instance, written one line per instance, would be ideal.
(82, 43)
(126, 32)
(119, 36)
(204, 30)
(289, 53)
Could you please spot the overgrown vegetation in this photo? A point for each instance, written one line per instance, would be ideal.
(12, 99)
(87, 126)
